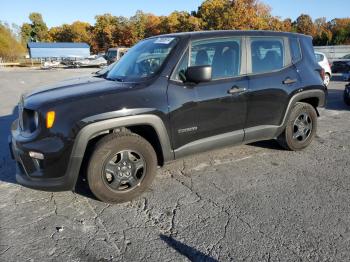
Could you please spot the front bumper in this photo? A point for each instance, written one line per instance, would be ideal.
(39, 174)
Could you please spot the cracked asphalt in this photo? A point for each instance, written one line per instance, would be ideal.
(248, 203)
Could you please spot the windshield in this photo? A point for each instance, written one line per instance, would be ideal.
(143, 60)
(111, 54)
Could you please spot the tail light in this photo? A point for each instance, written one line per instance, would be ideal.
(322, 74)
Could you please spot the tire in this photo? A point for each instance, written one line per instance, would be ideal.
(113, 186)
(327, 79)
(346, 98)
(296, 135)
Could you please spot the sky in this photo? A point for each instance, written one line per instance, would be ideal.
(57, 12)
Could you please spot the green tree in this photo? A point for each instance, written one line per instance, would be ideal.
(340, 28)
(35, 31)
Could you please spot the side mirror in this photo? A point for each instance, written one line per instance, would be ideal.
(198, 74)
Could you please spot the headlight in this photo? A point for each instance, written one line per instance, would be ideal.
(36, 120)
(30, 120)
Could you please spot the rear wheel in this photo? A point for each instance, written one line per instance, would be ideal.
(122, 166)
(301, 127)
(327, 79)
(346, 97)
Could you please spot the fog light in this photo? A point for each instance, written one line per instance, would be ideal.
(36, 155)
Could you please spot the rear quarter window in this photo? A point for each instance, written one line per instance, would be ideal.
(295, 49)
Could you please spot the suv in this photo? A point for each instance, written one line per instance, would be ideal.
(115, 54)
(168, 97)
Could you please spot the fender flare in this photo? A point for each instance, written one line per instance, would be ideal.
(319, 94)
(91, 130)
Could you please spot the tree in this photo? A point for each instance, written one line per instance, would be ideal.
(145, 25)
(103, 31)
(76, 32)
(36, 31)
(10, 47)
(323, 35)
(340, 28)
(180, 22)
(304, 25)
(237, 14)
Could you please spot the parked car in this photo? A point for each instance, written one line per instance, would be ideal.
(69, 61)
(91, 61)
(50, 65)
(114, 54)
(341, 65)
(168, 97)
(347, 94)
(323, 62)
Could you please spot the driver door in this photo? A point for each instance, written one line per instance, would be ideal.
(212, 113)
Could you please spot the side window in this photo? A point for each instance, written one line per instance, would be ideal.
(267, 54)
(319, 57)
(223, 55)
(295, 49)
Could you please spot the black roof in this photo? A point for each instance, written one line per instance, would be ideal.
(221, 33)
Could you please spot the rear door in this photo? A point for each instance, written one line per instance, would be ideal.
(272, 77)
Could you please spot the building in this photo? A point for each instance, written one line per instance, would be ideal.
(334, 52)
(58, 50)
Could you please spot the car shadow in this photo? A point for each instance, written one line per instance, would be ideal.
(191, 253)
(335, 100)
(7, 165)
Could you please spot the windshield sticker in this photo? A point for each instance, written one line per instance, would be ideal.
(164, 40)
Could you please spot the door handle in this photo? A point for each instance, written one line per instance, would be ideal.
(236, 89)
(289, 81)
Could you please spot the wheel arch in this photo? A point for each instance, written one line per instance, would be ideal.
(149, 126)
(316, 97)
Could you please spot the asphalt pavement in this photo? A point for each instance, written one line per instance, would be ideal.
(255, 202)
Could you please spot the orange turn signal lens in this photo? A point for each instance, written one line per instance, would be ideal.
(50, 119)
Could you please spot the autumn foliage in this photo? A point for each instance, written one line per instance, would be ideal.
(111, 31)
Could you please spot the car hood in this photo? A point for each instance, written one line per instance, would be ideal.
(71, 89)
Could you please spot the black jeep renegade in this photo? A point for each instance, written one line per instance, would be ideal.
(168, 97)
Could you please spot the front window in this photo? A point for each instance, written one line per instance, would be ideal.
(223, 55)
(143, 60)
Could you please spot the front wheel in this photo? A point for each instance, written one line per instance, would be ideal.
(121, 168)
(301, 128)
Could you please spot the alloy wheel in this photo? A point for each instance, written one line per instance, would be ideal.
(124, 170)
(302, 127)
